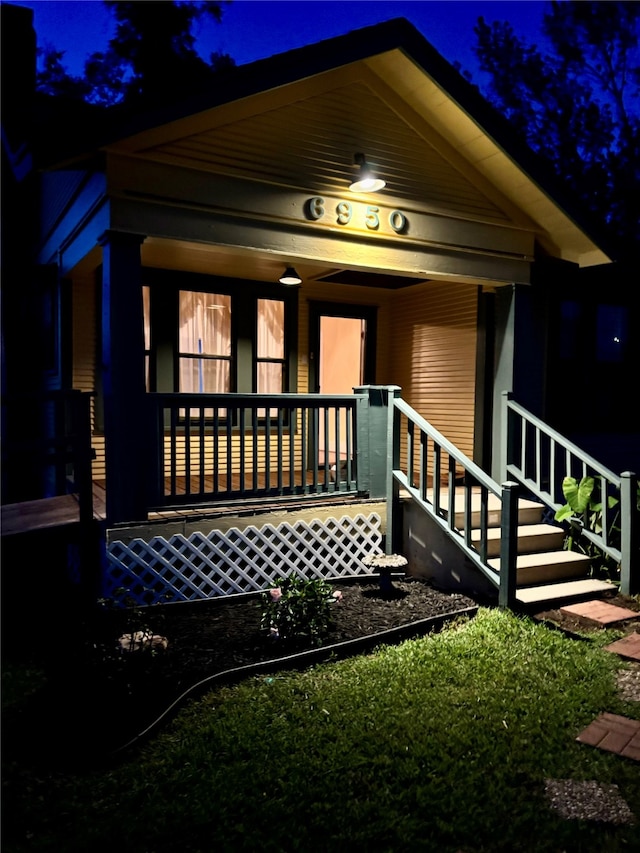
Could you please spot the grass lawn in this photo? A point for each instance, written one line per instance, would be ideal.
(438, 744)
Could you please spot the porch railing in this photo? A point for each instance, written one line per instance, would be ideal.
(46, 448)
(453, 491)
(216, 447)
(539, 458)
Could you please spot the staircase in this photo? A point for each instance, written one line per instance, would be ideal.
(545, 571)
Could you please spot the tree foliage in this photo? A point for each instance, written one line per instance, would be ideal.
(576, 102)
(151, 56)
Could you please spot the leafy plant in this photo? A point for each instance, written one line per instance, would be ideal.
(584, 509)
(298, 609)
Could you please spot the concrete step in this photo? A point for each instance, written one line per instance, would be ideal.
(564, 591)
(532, 538)
(547, 567)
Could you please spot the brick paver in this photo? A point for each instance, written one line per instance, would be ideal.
(613, 733)
(600, 611)
(627, 647)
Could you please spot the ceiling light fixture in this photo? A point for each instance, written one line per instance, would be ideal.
(290, 276)
(366, 181)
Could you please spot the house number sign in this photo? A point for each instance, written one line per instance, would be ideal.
(346, 212)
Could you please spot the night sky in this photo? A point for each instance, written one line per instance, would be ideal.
(254, 29)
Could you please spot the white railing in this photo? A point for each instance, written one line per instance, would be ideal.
(539, 457)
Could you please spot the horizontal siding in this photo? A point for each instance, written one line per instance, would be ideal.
(84, 312)
(433, 356)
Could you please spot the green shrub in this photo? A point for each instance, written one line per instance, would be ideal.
(298, 609)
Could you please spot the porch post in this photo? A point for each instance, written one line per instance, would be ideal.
(123, 378)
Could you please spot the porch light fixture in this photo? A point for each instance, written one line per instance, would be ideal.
(290, 276)
(366, 181)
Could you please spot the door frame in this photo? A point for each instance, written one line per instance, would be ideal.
(352, 310)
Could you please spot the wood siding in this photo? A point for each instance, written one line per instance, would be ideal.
(85, 343)
(433, 356)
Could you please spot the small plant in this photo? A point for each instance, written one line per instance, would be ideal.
(584, 509)
(298, 609)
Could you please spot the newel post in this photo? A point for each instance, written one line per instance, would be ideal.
(508, 545)
(629, 535)
(372, 460)
(123, 378)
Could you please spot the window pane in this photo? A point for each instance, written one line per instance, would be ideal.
(204, 376)
(205, 323)
(612, 332)
(146, 298)
(270, 342)
(269, 378)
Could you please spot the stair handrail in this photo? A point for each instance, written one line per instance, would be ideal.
(472, 477)
(537, 470)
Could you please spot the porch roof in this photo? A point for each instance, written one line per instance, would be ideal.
(296, 119)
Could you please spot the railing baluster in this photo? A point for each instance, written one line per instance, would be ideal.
(349, 427)
(338, 463)
(254, 438)
(304, 413)
(174, 451)
(241, 426)
(327, 477)
(410, 451)
(267, 449)
(187, 451)
(202, 450)
(315, 442)
(230, 412)
(216, 449)
(484, 523)
(437, 460)
(280, 448)
(292, 450)
(424, 456)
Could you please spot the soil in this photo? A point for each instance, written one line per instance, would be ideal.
(99, 698)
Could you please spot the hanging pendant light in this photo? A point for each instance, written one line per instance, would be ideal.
(290, 276)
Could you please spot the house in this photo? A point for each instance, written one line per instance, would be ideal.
(156, 289)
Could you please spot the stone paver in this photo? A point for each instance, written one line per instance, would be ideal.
(627, 647)
(613, 733)
(600, 611)
(575, 800)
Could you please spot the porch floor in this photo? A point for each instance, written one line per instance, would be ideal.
(48, 513)
(64, 510)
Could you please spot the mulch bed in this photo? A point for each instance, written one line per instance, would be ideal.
(97, 699)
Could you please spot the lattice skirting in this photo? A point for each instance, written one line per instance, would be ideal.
(238, 561)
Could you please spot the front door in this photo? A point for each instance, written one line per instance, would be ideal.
(342, 346)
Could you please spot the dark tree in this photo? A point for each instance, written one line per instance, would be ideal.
(151, 58)
(576, 102)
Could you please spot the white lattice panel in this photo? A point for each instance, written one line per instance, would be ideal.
(205, 566)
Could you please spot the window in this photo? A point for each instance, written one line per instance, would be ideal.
(214, 336)
(611, 331)
(204, 342)
(270, 360)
